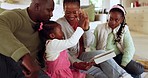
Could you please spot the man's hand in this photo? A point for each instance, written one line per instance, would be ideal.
(83, 20)
(30, 68)
(83, 65)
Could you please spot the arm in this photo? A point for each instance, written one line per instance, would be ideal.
(129, 49)
(93, 46)
(78, 64)
(30, 67)
(89, 38)
(60, 45)
(12, 47)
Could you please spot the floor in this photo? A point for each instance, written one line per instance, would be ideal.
(141, 45)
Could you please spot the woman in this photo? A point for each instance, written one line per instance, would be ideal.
(115, 35)
(72, 19)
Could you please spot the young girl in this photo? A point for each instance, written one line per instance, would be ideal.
(115, 35)
(57, 58)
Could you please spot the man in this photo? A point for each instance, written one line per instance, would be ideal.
(20, 42)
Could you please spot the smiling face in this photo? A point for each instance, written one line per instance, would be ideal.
(71, 11)
(115, 19)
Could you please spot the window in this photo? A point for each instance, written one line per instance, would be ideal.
(97, 3)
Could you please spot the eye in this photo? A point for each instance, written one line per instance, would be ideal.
(117, 20)
(111, 19)
(67, 12)
(75, 12)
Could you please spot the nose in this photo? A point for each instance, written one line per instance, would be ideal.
(51, 14)
(72, 15)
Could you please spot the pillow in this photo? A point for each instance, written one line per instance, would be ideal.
(12, 1)
(1, 10)
(90, 10)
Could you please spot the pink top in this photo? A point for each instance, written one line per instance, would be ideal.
(60, 67)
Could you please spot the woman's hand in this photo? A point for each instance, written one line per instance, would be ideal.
(83, 20)
(83, 65)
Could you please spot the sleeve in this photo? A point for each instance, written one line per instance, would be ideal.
(73, 59)
(10, 45)
(89, 38)
(129, 48)
(93, 46)
(60, 45)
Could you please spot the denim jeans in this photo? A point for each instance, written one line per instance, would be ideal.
(107, 69)
(133, 68)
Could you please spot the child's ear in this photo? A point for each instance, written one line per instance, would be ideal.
(52, 35)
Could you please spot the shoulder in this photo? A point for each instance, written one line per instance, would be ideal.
(101, 27)
(126, 29)
(60, 20)
(12, 14)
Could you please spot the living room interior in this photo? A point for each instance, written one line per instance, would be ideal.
(97, 10)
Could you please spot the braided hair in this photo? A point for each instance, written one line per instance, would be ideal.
(121, 29)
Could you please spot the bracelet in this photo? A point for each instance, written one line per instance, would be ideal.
(87, 29)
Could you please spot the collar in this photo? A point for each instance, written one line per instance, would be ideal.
(115, 30)
(28, 16)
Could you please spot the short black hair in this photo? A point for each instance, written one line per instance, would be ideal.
(71, 1)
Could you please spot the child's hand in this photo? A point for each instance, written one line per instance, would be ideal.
(83, 65)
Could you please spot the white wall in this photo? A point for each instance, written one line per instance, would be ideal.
(22, 4)
(109, 3)
(84, 2)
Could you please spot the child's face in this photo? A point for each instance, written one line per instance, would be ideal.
(115, 19)
(58, 33)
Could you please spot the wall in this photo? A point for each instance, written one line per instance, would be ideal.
(137, 19)
(109, 3)
(84, 2)
(127, 3)
(22, 4)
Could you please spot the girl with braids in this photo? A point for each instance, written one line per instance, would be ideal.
(71, 20)
(56, 56)
(115, 35)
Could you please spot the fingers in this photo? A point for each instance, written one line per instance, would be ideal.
(83, 20)
(26, 74)
(30, 68)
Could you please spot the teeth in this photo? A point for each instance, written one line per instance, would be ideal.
(71, 18)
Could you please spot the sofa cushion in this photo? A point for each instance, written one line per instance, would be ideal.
(1, 10)
(90, 10)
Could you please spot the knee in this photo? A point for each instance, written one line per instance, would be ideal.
(135, 69)
(139, 69)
